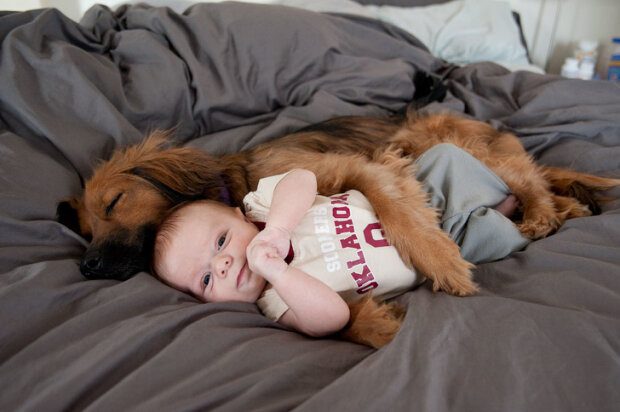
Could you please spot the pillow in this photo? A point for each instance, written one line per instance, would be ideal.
(462, 31)
(401, 3)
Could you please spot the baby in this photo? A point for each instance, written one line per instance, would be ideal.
(217, 254)
(316, 253)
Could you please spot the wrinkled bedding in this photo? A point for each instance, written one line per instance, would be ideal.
(543, 333)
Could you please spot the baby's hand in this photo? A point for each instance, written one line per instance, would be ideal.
(276, 237)
(264, 259)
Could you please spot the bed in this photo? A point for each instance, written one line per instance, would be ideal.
(543, 333)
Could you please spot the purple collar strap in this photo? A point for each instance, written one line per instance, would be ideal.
(224, 193)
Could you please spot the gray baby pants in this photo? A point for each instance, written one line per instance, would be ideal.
(465, 191)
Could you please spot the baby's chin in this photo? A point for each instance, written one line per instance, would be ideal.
(258, 285)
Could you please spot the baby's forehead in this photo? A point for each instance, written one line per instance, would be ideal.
(209, 207)
(203, 215)
(192, 211)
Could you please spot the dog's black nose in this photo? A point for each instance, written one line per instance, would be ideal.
(91, 265)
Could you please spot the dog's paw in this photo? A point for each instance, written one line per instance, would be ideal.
(540, 218)
(570, 208)
(538, 228)
(579, 211)
(439, 259)
(449, 272)
(457, 283)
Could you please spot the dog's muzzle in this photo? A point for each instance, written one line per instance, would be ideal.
(117, 257)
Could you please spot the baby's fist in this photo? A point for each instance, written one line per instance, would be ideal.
(276, 237)
(265, 260)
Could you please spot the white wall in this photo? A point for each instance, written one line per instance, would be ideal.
(19, 4)
(552, 28)
(70, 8)
(583, 20)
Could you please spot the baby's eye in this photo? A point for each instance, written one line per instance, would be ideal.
(207, 278)
(220, 241)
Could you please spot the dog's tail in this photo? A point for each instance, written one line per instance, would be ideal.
(373, 323)
(580, 186)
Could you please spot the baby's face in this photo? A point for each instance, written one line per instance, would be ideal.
(206, 255)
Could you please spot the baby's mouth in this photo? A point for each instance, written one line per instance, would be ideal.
(241, 273)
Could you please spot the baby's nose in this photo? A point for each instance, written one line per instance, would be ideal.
(222, 265)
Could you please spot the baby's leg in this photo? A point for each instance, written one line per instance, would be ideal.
(457, 182)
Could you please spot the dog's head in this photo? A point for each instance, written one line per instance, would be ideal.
(129, 196)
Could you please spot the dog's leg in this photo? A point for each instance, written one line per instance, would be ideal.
(392, 157)
(527, 182)
(580, 186)
(401, 205)
(410, 224)
(372, 323)
(501, 152)
(544, 211)
(562, 179)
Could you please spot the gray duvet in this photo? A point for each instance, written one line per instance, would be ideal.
(542, 335)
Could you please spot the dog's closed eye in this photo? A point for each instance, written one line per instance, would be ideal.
(110, 208)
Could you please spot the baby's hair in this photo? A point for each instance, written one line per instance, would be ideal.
(168, 229)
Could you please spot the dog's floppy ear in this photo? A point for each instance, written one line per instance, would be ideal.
(67, 214)
(180, 173)
(173, 195)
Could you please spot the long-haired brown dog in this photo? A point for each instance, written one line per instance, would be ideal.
(129, 195)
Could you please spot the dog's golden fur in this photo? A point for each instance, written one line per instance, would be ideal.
(138, 185)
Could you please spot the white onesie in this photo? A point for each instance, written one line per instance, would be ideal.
(340, 242)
